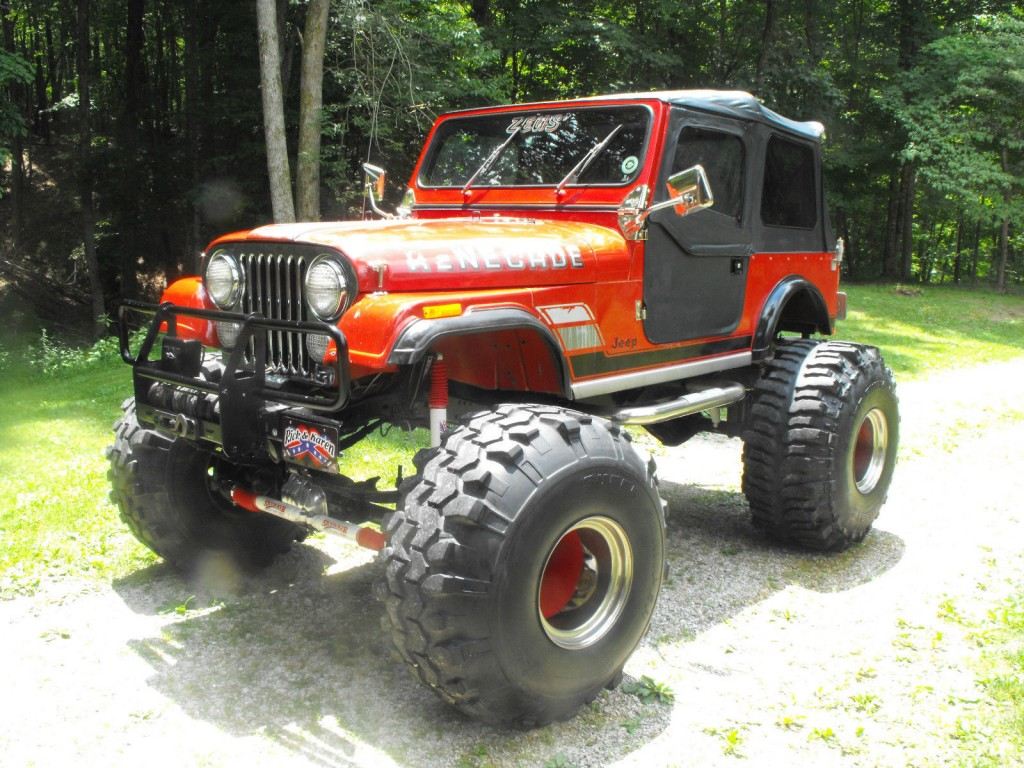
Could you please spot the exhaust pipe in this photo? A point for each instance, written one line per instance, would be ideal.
(687, 405)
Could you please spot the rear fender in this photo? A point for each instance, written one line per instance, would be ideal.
(795, 304)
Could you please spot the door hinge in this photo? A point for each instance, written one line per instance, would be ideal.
(641, 311)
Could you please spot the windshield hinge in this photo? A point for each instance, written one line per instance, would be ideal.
(641, 311)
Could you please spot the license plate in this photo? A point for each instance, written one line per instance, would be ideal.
(310, 445)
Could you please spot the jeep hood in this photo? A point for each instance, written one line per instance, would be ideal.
(446, 254)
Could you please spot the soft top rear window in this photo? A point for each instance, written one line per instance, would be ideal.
(545, 146)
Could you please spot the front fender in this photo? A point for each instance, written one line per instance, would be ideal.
(189, 292)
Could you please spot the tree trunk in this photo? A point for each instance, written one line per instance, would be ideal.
(192, 111)
(17, 148)
(843, 225)
(480, 11)
(891, 227)
(766, 41)
(1004, 231)
(307, 171)
(959, 248)
(907, 219)
(278, 169)
(131, 195)
(975, 254)
(85, 185)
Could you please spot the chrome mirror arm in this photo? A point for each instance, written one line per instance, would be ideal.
(373, 203)
(375, 178)
(691, 193)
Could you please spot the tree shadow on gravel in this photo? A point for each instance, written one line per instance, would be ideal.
(298, 656)
(719, 563)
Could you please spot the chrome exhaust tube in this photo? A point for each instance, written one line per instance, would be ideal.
(687, 405)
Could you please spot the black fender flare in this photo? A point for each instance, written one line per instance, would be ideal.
(417, 338)
(787, 290)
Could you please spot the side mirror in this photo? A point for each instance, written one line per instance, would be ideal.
(690, 191)
(376, 177)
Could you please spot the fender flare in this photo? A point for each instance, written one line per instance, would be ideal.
(787, 290)
(417, 338)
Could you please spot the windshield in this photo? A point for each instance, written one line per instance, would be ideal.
(543, 147)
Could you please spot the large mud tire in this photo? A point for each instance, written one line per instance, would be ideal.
(480, 582)
(820, 443)
(162, 489)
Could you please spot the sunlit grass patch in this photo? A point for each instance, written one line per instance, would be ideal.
(940, 328)
(57, 520)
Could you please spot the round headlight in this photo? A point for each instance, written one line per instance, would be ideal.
(223, 279)
(326, 287)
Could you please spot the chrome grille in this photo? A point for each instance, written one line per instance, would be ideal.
(274, 289)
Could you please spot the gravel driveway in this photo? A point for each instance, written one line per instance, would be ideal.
(775, 656)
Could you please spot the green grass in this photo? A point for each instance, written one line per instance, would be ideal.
(56, 520)
(991, 735)
(53, 428)
(941, 328)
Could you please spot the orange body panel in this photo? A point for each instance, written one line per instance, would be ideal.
(189, 292)
(558, 255)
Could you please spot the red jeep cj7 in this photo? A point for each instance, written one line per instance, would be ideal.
(556, 272)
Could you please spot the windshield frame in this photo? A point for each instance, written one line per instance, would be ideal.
(535, 109)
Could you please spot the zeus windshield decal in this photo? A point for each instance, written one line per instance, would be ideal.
(536, 124)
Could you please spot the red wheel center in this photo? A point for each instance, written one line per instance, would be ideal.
(561, 576)
(864, 450)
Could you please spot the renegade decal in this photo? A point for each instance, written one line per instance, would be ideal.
(306, 445)
(513, 256)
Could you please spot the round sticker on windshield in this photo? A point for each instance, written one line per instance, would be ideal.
(630, 164)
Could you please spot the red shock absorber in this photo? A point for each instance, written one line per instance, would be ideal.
(438, 400)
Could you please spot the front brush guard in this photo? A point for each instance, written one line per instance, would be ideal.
(242, 390)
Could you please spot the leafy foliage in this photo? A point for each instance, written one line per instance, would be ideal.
(13, 70)
(962, 113)
(907, 91)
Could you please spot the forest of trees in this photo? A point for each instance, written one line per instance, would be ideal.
(132, 131)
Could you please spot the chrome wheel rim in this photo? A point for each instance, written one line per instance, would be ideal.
(585, 583)
(869, 451)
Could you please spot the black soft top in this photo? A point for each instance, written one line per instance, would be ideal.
(735, 104)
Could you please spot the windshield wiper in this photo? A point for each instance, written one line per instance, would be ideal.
(587, 159)
(490, 160)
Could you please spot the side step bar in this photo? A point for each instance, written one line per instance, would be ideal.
(687, 405)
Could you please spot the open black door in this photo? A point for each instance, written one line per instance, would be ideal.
(695, 267)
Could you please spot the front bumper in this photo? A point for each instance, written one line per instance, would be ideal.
(236, 405)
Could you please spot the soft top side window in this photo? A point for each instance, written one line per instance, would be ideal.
(721, 154)
(789, 195)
